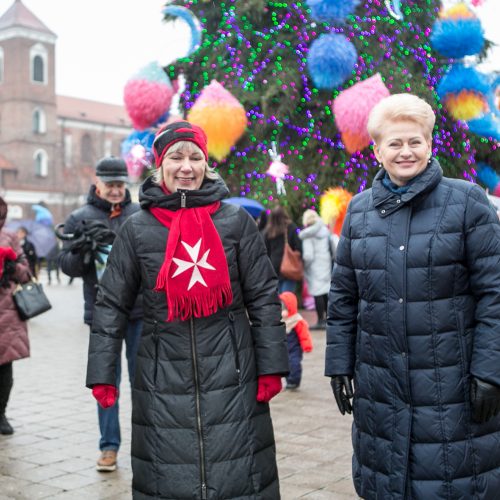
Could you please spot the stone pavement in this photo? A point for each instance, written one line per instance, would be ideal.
(53, 450)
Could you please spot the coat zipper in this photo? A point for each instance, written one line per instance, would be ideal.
(155, 340)
(235, 345)
(198, 411)
(406, 243)
(183, 198)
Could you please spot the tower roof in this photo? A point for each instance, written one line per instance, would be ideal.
(18, 15)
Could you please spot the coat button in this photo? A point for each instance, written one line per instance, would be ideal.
(231, 315)
(403, 354)
(382, 211)
(402, 247)
(400, 300)
(398, 201)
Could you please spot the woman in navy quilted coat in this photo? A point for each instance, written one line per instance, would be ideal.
(414, 321)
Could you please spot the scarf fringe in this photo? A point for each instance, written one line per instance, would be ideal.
(162, 278)
(199, 305)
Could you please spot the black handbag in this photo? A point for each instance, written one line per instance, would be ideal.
(30, 300)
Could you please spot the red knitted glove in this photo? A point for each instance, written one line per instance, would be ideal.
(267, 387)
(105, 394)
(6, 253)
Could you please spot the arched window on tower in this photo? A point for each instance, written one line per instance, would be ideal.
(38, 69)
(38, 62)
(39, 122)
(41, 163)
(86, 155)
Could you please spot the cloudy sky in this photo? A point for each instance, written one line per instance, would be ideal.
(102, 43)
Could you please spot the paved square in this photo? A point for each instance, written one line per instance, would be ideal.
(55, 445)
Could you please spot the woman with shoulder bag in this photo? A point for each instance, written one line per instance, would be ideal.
(14, 343)
(279, 231)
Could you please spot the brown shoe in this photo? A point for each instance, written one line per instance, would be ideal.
(107, 461)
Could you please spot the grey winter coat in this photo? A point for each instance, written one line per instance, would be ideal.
(414, 312)
(317, 257)
(72, 264)
(197, 428)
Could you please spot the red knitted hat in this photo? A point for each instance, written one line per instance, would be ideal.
(176, 132)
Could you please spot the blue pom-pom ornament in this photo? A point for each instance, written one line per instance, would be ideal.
(460, 77)
(326, 11)
(331, 60)
(457, 38)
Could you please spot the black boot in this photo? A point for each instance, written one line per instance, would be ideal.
(5, 428)
(320, 325)
(6, 382)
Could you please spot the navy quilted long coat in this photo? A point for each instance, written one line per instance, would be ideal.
(414, 312)
(198, 431)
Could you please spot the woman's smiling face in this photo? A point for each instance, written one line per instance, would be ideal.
(183, 168)
(403, 150)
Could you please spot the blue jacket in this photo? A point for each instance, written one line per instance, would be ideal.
(414, 311)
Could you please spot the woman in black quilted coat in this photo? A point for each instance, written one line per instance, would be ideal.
(213, 349)
(414, 322)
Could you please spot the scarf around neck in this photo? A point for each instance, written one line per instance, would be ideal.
(194, 274)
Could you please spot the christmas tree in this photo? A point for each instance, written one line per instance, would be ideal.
(260, 51)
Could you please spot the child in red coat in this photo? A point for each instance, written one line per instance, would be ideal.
(298, 338)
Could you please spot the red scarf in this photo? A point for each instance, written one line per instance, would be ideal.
(194, 274)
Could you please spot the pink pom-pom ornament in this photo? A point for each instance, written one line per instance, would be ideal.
(147, 96)
(352, 108)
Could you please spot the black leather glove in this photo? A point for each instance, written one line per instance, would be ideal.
(342, 390)
(91, 239)
(98, 231)
(485, 400)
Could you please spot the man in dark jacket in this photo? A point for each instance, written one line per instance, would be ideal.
(93, 227)
(28, 249)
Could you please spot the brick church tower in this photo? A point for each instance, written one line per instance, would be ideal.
(49, 144)
(28, 116)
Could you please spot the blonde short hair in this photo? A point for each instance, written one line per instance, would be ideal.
(190, 147)
(400, 107)
(309, 217)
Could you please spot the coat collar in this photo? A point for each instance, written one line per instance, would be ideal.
(388, 202)
(151, 195)
(101, 204)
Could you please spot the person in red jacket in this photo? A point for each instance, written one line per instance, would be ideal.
(298, 338)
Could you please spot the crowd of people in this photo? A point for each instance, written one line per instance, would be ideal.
(408, 296)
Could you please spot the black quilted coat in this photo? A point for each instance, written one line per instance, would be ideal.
(71, 264)
(414, 311)
(197, 429)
